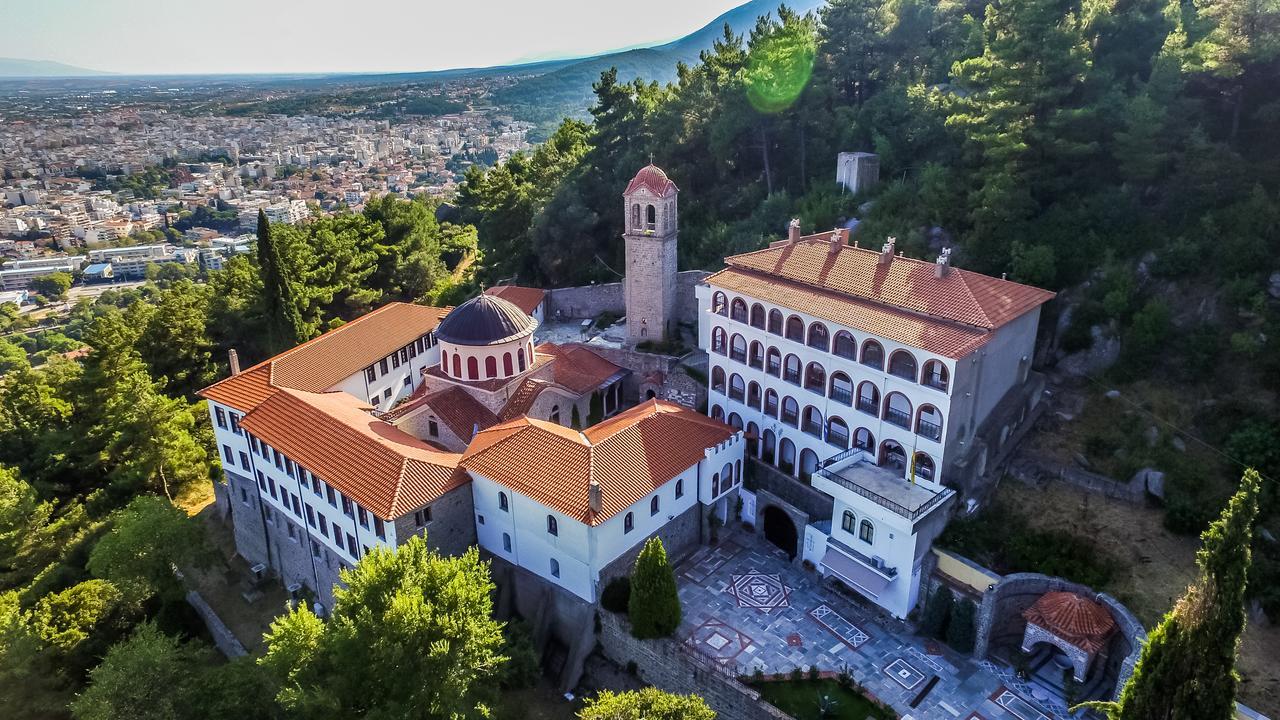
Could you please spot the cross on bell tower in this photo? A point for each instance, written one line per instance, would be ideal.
(649, 207)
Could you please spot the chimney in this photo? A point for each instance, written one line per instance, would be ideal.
(943, 264)
(836, 242)
(234, 360)
(886, 252)
(793, 230)
(593, 496)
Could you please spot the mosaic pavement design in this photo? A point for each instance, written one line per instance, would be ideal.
(719, 641)
(904, 674)
(1014, 703)
(707, 560)
(849, 634)
(760, 591)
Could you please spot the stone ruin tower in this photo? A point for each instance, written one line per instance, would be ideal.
(649, 204)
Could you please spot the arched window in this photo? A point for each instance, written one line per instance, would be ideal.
(520, 359)
(869, 398)
(502, 502)
(506, 542)
(902, 364)
(444, 362)
(473, 368)
(845, 346)
(735, 421)
(717, 379)
(775, 322)
(892, 455)
(815, 378)
(787, 456)
(715, 485)
(790, 411)
(818, 336)
(755, 358)
(553, 527)
(864, 440)
(679, 488)
(808, 465)
(935, 375)
(457, 366)
(651, 218)
(490, 367)
(753, 439)
(555, 567)
(929, 423)
(628, 523)
(717, 413)
(897, 410)
(841, 388)
(757, 316)
(812, 421)
(924, 466)
(738, 310)
(753, 395)
(848, 522)
(718, 344)
(726, 477)
(555, 414)
(773, 362)
(653, 505)
(837, 432)
(720, 303)
(795, 329)
(635, 215)
(738, 348)
(873, 354)
(791, 370)
(866, 533)
(506, 364)
(768, 447)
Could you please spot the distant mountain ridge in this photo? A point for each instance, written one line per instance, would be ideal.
(22, 68)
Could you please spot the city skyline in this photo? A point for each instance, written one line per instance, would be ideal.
(381, 36)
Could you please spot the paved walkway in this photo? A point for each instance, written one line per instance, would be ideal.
(747, 607)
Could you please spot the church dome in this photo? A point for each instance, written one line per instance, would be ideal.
(485, 320)
(652, 178)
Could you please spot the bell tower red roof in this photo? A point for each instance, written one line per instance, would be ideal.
(652, 178)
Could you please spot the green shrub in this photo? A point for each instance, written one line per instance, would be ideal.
(616, 595)
(813, 672)
(521, 670)
(796, 674)
(960, 630)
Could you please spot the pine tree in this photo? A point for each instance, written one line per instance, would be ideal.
(285, 327)
(1187, 668)
(655, 603)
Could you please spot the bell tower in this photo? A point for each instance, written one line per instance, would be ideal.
(649, 207)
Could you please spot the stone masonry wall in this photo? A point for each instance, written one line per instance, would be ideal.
(668, 665)
(452, 529)
(650, 287)
(588, 301)
(248, 529)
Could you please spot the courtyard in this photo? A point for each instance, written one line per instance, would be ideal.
(747, 607)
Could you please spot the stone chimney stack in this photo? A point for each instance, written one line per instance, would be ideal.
(234, 359)
(593, 496)
(835, 242)
(886, 252)
(793, 230)
(943, 265)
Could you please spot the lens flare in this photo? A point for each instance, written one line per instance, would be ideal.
(778, 70)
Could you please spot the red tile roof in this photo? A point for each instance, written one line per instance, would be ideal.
(652, 178)
(936, 336)
(578, 368)
(1074, 618)
(334, 435)
(630, 455)
(455, 407)
(960, 296)
(321, 363)
(522, 399)
(526, 298)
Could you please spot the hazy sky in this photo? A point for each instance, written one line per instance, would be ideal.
(217, 36)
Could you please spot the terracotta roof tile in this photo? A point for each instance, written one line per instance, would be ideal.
(652, 178)
(1074, 618)
(960, 296)
(322, 362)
(522, 398)
(456, 408)
(526, 298)
(937, 336)
(578, 368)
(334, 435)
(630, 455)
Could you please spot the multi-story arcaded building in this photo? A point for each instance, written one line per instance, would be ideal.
(866, 374)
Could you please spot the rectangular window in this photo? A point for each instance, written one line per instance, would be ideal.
(404, 354)
(293, 535)
(297, 506)
(379, 529)
(364, 517)
(288, 470)
(311, 516)
(382, 365)
(315, 484)
(337, 539)
(366, 549)
(370, 373)
(235, 423)
(373, 401)
(346, 507)
(422, 517)
(253, 442)
(413, 349)
(480, 519)
(328, 492)
(408, 379)
(226, 452)
(222, 417)
(244, 496)
(270, 516)
(395, 360)
(244, 460)
(324, 525)
(433, 429)
(278, 458)
(386, 394)
(315, 549)
(271, 483)
(262, 481)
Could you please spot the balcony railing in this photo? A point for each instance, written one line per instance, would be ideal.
(774, 368)
(792, 376)
(790, 418)
(933, 431)
(838, 438)
(738, 355)
(813, 386)
(937, 382)
(736, 394)
(842, 396)
(869, 406)
(757, 362)
(876, 497)
(901, 418)
(813, 428)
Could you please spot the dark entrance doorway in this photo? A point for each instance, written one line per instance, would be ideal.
(780, 530)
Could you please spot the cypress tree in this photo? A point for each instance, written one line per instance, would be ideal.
(1187, 669)
(937, 611)
(655, 604)
(960, 629)
(285, 327)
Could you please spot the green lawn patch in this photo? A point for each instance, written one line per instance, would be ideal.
(800, 700)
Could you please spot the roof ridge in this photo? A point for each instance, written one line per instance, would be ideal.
(964, 282)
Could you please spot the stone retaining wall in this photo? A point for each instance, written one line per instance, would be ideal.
(226, 641)
(588, 301)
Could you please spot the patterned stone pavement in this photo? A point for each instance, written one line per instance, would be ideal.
(747, 607)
